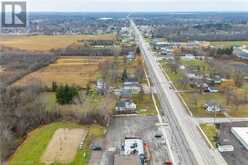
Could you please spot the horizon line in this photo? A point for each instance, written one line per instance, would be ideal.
(195, 11)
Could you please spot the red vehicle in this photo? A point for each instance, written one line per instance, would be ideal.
(168, 162)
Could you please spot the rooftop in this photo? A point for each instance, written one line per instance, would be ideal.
(133, 146)
(241, 134)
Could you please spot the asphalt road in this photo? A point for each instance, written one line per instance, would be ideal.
(193, 148)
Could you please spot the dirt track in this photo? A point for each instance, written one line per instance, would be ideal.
(63, 146)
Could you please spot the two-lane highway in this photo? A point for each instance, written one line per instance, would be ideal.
(193, 149)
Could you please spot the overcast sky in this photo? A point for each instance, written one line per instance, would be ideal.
(137, 5)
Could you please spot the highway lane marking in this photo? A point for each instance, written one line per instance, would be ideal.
(160, 121)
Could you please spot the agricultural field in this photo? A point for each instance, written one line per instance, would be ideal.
(228, 43)
(37, 142)
(48, 42)
(74, 70)
(14, 66)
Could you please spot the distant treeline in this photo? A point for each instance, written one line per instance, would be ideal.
(94, 51)
(19, 64)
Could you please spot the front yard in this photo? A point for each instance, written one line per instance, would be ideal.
(195, 100)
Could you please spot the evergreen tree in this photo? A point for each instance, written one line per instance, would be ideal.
(124, 75)
(65, 94)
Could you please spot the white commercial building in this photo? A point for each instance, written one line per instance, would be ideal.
(241, 133)
(133, 146)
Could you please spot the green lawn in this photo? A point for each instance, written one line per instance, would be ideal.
(175, 77)
(30, 151)
(201, 100)
(145, 104)
(210, 131)
(203, 66)
(188, 97)
(228, 43)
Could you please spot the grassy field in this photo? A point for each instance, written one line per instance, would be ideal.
(210, 131)
(203, 66)
(228, 43)
(48, 99)
(35, 144)
(47, 42)
(66, 70)
(175, 77)
(89, 103)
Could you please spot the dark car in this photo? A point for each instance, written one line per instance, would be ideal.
(96, 147)
(158, 136)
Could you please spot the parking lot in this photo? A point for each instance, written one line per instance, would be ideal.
(240, 154)
(131, 126)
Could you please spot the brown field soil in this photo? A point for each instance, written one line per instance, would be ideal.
(66, 70)
(63, 146)
(48, 42)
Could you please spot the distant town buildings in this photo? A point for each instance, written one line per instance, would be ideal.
(241, 52)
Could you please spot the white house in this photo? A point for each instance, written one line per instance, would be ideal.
(101, 86)
(125, 105)
(212, 107)
(188, 57)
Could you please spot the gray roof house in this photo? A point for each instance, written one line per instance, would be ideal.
(101, 86)
(132, 85)
(125, 106)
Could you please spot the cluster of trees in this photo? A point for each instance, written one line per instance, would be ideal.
(233, 95)
(225, 51)
(66, 93)
(18, 64)
(109, 71)
(20, 112)
(90, 51)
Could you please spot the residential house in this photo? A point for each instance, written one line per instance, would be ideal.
(132, 85)
(212, 107)
(215, 79)
(124, 106)
(101, 87)
(241, 52)
(125, 94)
(192, 75)
(212, 90)
(188, 57)
(131, 56)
